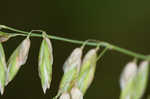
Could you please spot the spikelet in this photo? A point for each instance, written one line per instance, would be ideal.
(141, 79)
(134, 80)
(45, 63)
(71, 69)
(128, 74)
(17, 59)
(87, 70)
(3, 69)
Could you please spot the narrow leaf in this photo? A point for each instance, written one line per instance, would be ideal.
(45, 63)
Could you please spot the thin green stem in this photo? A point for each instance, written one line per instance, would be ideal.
(104, 44)
(102, 53)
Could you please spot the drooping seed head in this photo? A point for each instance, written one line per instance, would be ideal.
(87, 70)
(129, 72)
(141, 79)
(134, 80)
(45, 63)
(17, 59)
(71, 69)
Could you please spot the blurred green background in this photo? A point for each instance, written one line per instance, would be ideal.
(125, 23)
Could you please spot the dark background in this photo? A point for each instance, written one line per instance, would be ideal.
(125, 23)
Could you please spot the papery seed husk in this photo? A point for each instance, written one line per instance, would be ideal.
(87, 70)
(76, 93)
(74, 60)
(17, 59)
(65, 96)
(129, 72)
(45, 63)
(3, 69)
(135, 87)
(141, 79)
(130, 82)
(71, 69)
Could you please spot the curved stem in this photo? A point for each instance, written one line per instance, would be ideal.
(102, 53)
(104, 44)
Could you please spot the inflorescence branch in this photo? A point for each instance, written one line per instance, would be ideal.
(103, 44)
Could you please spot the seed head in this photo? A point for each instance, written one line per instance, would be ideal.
(129, 72)
(17, 59)
(87, 71)
(45, 63)
(71, 69)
